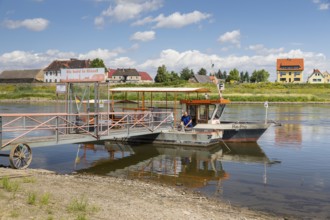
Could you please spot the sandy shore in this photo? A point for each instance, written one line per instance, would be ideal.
(41, 194)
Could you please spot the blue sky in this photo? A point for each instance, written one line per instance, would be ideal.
(145, 34)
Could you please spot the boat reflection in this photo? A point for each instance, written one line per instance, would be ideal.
(191, 167)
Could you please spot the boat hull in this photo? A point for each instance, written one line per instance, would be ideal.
(237, 131)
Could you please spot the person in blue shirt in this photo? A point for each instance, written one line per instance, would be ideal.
(186, 120)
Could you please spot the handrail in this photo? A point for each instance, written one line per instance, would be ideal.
(17, 126)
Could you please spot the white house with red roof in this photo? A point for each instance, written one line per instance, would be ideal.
(316, 77)
(128, 76)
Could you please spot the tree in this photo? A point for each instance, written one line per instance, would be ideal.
(98, 63)
(225, 75)
(162, 75)
(202, 71)
(174, 76)
(241, 76)
(186, 74)
(233, 75)
(219, 74)
(246, 77)
(259, 76)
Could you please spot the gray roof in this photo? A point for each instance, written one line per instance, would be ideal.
(126, 72)
(202, 78)
(22, 74)
(57, 65)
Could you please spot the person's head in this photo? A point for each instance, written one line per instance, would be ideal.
(185, 113)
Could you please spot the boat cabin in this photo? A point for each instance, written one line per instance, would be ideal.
(204, 111)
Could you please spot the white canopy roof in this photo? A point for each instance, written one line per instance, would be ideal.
(158, 89)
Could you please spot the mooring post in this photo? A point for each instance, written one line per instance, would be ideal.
(0, 132)
(266, 114)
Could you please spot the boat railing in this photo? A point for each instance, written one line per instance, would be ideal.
(28, 125)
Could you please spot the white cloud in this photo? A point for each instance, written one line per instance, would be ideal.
(143, 36)
(262, 50)
(195, 60)
(129, 9)
(172, 59)
(121, 62)
(103, 54)
(175, 20)
(35, 24)
(31, 60)
(99, 22)
(231, 37)
(322, 5)
(143, 21)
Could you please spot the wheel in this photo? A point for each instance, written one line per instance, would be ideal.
(20, 156)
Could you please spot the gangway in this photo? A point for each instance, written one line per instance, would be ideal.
(21, 132)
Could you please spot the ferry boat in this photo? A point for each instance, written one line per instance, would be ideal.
(206, 114)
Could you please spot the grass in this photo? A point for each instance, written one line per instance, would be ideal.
(275, 92)
(14, 214)
(44, 200)
(32, 198)
(78, 205)
(81, 207)
(29, 180)
(8, 185)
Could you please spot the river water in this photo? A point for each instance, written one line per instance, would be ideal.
(287, 172)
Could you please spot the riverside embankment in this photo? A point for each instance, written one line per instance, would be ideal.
(41, 194)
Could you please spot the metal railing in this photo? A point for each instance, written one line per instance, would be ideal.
(18, 126)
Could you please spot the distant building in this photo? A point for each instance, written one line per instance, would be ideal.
(128, 76)
(326, 77)
(52, 73)
(22, 76)
(290, 70)
(316, 77)
(196, 78)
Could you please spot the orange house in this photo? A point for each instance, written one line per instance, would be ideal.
(290, 70)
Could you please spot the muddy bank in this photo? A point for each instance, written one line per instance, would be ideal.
(40, 194)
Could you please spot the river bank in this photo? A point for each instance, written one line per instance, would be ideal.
(41, 194)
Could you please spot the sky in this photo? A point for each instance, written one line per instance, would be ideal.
(144, 34)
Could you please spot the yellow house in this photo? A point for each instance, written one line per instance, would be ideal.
(326, 77)
(290, 70)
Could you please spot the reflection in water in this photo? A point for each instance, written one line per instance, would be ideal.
(291, 130)
(191, 167)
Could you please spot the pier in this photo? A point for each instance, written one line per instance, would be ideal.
(21, 132)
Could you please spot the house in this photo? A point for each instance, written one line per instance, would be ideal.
(290, 70)
(128, 76)
(145, 77)
(52, 73)
(201, 79)
(316, 77)
(22, 76)
(326, 77)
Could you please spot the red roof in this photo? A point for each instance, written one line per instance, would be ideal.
(145, 76)
(290, 64)
(111, 72)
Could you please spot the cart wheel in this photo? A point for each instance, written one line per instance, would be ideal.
(20, 156)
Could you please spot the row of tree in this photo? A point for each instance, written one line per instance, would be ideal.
(163, 76)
